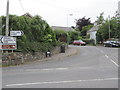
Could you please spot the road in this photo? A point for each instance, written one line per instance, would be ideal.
(92, 67)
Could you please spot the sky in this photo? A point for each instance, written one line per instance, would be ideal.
(58, 12)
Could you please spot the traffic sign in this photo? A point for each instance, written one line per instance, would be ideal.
(8, 40)
(16, 33)
(8, 47)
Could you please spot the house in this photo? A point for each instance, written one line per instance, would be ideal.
(93, 31)
(119, 8)
(62, 28)
(28, 15)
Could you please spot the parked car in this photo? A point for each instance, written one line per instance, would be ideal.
(112, 44)
(79, 42)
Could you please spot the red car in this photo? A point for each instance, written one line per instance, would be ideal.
(79, 42)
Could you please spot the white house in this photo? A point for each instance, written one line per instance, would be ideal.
(93, 31)
(119, 8)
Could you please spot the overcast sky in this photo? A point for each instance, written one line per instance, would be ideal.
(56, 12)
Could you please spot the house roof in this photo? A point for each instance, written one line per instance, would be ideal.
(62, 28)
(28, 15)
(94, 28)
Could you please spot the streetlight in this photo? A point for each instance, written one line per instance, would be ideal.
(67, 18)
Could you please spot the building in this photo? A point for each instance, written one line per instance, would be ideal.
(119, 8)
(28, 15)
(62, 28)
(93, 31)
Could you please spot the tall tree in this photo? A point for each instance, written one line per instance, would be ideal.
(100, 19)
(81, 23)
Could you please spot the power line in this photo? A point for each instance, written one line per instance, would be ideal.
(22, 6)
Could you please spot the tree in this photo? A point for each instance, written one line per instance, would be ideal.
(81, 23)
(100, 19)
(38, 35)
(85, 29)
(103, 32)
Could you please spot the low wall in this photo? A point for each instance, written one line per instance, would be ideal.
(18, 58)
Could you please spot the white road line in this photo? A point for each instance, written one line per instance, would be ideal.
(106, 56)
(47, 69)
(58, 82)
(114, 63)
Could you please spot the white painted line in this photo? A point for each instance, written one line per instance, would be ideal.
(114, 63)
(106, 56)
(58, 82)
(47, 69)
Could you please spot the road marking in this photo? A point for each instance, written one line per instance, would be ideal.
(58, 82)
(106, 56)
(47, 69)
(114, 63)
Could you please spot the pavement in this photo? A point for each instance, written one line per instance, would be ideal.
(68, 52)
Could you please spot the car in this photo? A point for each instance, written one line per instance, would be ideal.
(79, 42)
(111, 44)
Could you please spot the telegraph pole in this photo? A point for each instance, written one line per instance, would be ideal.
(7, 19)
(109, 27)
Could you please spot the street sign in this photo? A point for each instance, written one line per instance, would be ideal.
(8, 47)
(8, 40)
(8, 43)
(16, 33)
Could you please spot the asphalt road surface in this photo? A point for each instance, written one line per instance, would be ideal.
(92, 67)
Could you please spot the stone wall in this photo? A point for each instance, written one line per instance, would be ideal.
(18, 58)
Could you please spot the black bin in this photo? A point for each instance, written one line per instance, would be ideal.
(62, 49)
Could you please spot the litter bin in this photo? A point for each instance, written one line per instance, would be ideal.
(62, 49)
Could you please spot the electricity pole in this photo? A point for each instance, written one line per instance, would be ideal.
(7, 19)
(109, 27)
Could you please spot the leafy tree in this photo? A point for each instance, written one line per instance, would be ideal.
(61, 35)
(100, 19)
(103, 32)
(74, 35)
(81, 23)
(37, 33)
(85, 29)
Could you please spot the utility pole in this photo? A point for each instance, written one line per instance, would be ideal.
(109, 27)
(7, 19)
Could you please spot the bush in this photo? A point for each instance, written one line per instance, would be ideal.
(89, 41)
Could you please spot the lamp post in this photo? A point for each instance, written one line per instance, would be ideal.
(67, 18)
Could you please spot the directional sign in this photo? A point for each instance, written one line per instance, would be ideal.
(8, 40)
(8, 43)
(8, 47)
(16, 33)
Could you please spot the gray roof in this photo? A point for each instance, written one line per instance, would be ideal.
(62, 28)
(94, 28)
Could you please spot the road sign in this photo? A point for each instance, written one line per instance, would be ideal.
(8, 40)
(16, 33)
(8, 43)
(8, 47)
